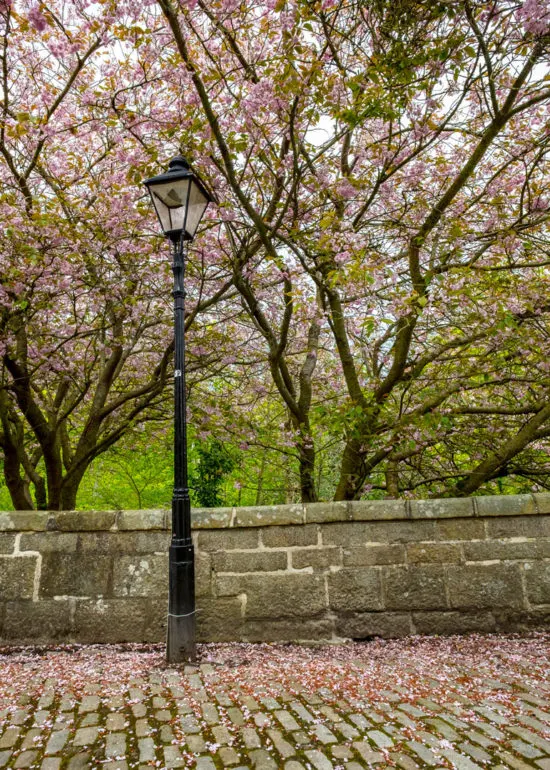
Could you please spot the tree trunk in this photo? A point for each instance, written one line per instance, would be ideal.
(307, 471)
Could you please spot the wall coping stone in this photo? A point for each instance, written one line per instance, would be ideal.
(277, 515)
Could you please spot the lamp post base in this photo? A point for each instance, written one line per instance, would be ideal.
(180, 641)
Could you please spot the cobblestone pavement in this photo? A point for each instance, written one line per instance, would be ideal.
(463, 702)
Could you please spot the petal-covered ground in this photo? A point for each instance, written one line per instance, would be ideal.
(463, 702)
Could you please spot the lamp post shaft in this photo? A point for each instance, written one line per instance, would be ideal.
(180, 646)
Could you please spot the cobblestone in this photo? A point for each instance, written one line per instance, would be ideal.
(114, 709)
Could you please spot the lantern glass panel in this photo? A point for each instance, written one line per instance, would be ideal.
(197, 205)
(170, 202)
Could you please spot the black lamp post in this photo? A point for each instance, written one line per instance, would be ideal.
(180, 200)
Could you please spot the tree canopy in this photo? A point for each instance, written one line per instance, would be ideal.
(367, 297)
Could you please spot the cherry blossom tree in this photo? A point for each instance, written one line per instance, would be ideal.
(371, 287)
(388, 162)
(85, 307)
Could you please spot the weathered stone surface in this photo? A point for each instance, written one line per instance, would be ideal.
(82, 521)
(139, 520)
(23, 521)
(377, 510)
(506, 550)
(278, 596)
(228, 540)
(7, 543)
(17, 577)
(28, 622)
(286, 537)
(285, 630)
(75, 574)
(326, 512)
(250, 561)
(143, 575)
(505, 505)
(372, 554)
(402, 531)
(406, 588)
(537, 582)
(519, 526)
(521, 621)
(350, 533)
(355, 590)
(449, 623)
(46, 542)
(485, 586)
(118, 543)
(211, 518)
(542, 502)
(365, 625)
(219, 619)
(262, 516)
(203, 574)
(317, 558)
(277, 580)
(121, 620)
(437, 553)
(459, 529)
(449, 507)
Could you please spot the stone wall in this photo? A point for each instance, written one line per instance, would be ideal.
(325, 571)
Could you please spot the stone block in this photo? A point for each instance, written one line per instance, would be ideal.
(17, 577)
(317, 558)
(138, 520)
(505, 505)
(365, 625)
(211, 518)
(371, 555)
(542, 502)
(75, 574)
(349, 533)
(354, 590)
(414, 588)
(101, 621)
(402, 531)
(23, 521)
(443, 508)
(506, 550)
(229, 584)
(459, 529)
(285, 537)
(519, 526)
(327, 512)
(522, 621)
(82, 521)
(155, 613)
(485, 586)
(228, 540)
(279, 596)
(449, 623)
(203, 574)
(7, 543)
(28, 622)
(377, 510)
(537, 582)
(435, 553)
(269, 515)
(119, 543)
(285, 630)
(144, 575)
(219, 620)
(48, 542)
(249, 561)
